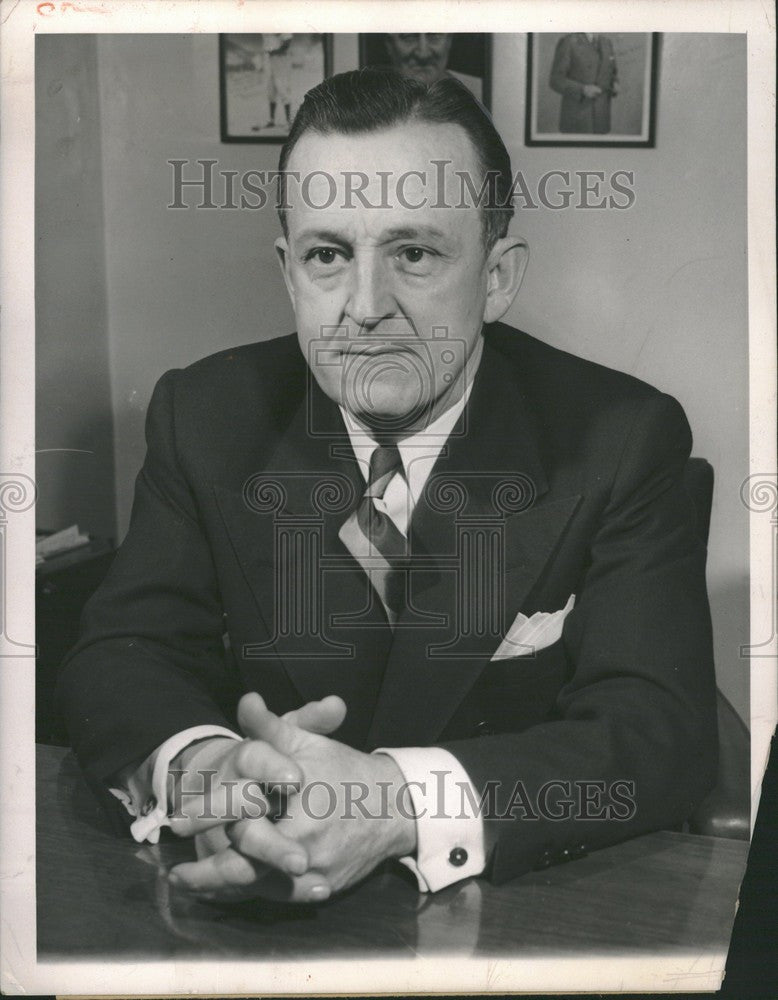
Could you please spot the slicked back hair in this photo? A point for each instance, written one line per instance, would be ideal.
(368, 100)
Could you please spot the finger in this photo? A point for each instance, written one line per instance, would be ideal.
(312, 887)
(276, 887)
(322, 717)
(258, 722)
(225, 869)
(254, 717)
(263, 841)
(211, 841)
(259, 760)
(196, 810)
(230, 875)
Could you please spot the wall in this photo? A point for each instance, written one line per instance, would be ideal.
(181, 283)
(657, 290)
(74, 422)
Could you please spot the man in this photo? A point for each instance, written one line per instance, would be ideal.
(425, 57)
(277, 51)
(452, 563)
(422, 57)
(584, 72)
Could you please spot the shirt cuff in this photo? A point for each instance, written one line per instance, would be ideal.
(449, 825)
(145, 794)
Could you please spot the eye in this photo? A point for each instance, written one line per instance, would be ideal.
(413, 255)
(416, 261)
(322, 255)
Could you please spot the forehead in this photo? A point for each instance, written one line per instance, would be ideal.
(394, 169)
(414, 39)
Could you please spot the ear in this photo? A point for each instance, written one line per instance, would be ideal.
(282, 252)
(505, 267)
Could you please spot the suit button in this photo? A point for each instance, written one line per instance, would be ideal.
(484, 729)
(457, 857)
(545, 860)
(566, 855)
(579, 851)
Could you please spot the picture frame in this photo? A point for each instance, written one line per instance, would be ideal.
(262, 81)
(619, 110)
(467, 57)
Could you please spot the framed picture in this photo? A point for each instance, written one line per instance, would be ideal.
(263, 79)
(427, 57)
(587, 89)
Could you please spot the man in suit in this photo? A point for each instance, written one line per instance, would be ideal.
(426, 584)
(425, 57)
(584, 72)
(422, 57)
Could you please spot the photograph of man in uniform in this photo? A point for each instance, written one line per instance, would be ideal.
(264, 79)
(585, 74)
(592, 89)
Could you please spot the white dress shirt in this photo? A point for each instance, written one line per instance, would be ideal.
(449, 830)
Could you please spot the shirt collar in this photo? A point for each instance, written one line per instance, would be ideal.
(423, 445)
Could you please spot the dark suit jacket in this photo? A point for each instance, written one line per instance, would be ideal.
(561, 477)
(577, 62)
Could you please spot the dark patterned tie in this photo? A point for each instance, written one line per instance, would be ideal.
(373, 538)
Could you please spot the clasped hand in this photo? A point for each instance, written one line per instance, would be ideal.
(343, 812)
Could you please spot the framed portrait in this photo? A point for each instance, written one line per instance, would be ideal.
(427, 57)
(263, 79)
(587, 89)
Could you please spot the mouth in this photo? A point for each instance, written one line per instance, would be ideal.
(373, 350)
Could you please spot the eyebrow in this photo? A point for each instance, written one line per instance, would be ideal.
(413, 232)
(325, 235)
(388, 236)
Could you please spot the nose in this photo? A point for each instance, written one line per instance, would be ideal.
(370, 297)
(422, 47)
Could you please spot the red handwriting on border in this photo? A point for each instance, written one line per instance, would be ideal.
(49, 8)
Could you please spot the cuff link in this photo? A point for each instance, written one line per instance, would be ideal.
(457, 857)
(148, 806)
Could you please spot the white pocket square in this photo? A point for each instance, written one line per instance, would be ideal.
(530, 635)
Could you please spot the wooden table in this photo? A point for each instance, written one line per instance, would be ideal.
(102, 896)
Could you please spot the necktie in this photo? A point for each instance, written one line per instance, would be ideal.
(372, 537)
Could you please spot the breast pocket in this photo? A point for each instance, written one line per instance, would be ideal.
(522, 691)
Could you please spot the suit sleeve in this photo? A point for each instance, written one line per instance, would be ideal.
(559, 80)
(634, 730)
(150, 661)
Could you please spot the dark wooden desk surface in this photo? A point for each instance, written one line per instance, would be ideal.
(100, 896)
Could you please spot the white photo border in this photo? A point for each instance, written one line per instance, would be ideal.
(21, 21)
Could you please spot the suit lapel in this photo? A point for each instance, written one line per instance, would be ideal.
(486, 510)
(484, 529)
(320, 612)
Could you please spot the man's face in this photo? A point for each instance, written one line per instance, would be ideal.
(421, 57)
(389, 300)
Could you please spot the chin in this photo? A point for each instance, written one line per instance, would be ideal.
(391, 409)
(427, 74)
